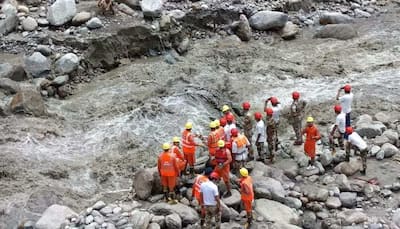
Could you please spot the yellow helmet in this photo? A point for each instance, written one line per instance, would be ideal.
(225, 108)
(217, 124)
(176, 139)
(243, 171)
(188, 125)
(213, 124)
(221, 143)
(166, 146)
(310, 119)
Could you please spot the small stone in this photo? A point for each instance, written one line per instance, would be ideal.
(81, 18)
(348, 199)
(94, 23)
(42, 22)
(117, 210)
(22, 8)
(386, 193)
(106, 210)
(89, 219)
(333, 202)
(29, 24)
(44, 49)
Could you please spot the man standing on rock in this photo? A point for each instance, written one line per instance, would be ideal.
(168, 170)
(189, 146)
(196, 190)
(210, 201)
(229, 126)
(296, 116)
(338, 129)
(240, 149)
(345, 101)
(221, 123)
(247, 194)
(271, 133)
(276, 108)
(260, 135)
(354, 139)
(312, 136)
(248, 126)
(212, 142)
(175, 149)
(223, 160)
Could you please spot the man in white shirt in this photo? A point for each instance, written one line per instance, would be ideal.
(240, 149)
(260, 136)
(229, 126)
(345, 101)
(358, 144)
(338, 129)
(210, 201)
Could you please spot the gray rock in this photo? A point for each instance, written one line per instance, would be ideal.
(320, 167)
(276, 212)
(290, 167)
(28, 101)
(342, 182)
(334, 18)
(94, 23)
(187, 214)
(368, 128)
(348, 199)
(11, 19)
(93, 225)
(61, 11)
(5, 70)
(173, 221)
(8, 86)
(382, 117)
(389, 150)
(54, 217)
(361, 13)
(143, 183)
(110, 226)
(99, 205)
(140, 219)
(267, 20)
(380, 140)
(23, 9)
(333, 202)
(309, 172)
(44, 50)
(269, 188)
(380, 155)
(309, 220)
(386, 193)
(302, 159)
(29, 24)
(37, 65)
(67, 63)
(348, 168)
(392, 135)
(289, 31)
(352, 217)
(316, 194)
(374, 150)
(106, 210)
(326, 158)
(296, 5)
(293, 202)
(158, 219)
(233, 200)
(60, 80)
(396, 218)
(81, 18)
(138, 222)
(151, 8)
(89, 219)
(337, 31)
(126, 9)
(242, 28)
(133, 4)
(99, 219)
(43, 22)
(154, 226)
(177, 14)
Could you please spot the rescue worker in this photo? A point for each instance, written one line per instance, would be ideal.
(312, 136)
(260, 135)
(271, 133)
(229, 126)
(345, 102)
(247, 194)
(196, 190)
(358, 144)
(223, 160)
(176, 150)
(221, 128)
(240, 149)
(226, 110)
(168, 170)
(210, 201)
(338, 129)
(296, 116)
(189, 147)
(248, 126)
(212, 142)
(276, 108)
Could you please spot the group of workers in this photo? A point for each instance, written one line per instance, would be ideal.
(229, 149)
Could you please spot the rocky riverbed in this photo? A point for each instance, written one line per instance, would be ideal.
(86, 100)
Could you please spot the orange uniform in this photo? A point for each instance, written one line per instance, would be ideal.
(168, 170)
(312, 136)
(221, 133)
(212, 141)
(247, 194)
(196, 186)
(223, 157)
(179, 157)
(189, 147)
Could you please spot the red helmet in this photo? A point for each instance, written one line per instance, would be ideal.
(349, 130)
(347, 88)
(214, 176)
(222, 122)
(257, 115)
(269, 111)
(246, 106)
(338, 108)
(234, 132)
(295, 95)
(229, 117)
(274, 100)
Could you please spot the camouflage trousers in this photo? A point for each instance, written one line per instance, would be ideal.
(296, 124)
(363, 154)
(212, 212)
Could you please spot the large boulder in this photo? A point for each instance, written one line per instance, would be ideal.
(28, 101)
(289, 166)
(37, 65)
(382, 117)
(334, 18)
(187, 214)
(348, 199)
(8, 86)
(389, 150)
(316, 194)
(140, 219)
(54, 217)
(233, 200)
(337, 31)
(67, 63)
(289, 31)
(143, 183)
(268, 20)
(351, 217)
(309, 220)
(8, 24)
(342, 183)
(366, 127)
(173, 221)
(348, 168)
(326, 157)
(242, 28)
(392, 135)
(14, 72)
(61, 11)
(276, 212)
(152, 8)
(269, 188)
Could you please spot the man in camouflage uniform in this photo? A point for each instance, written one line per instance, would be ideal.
(296, 116)
(248, 126)
(271, 134)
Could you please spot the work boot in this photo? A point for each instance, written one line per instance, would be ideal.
(272, 159)
(191, 171)
(347, 157)
(172, 199)
(247, 225)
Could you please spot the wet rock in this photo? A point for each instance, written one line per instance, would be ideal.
(289, 31)
(187, 214)
(11, 19)
(173, 221)
(81, 18)
(242, 28)
(389, 150)
(268, 20)
(151, 8)
(392, 135)
(334, 18)
(28, 101)
(348, 199)
(140, 219)
(94, 23)
(67, 63)
(348, 168)
(361, 13)
(126, 9)
(8, 86)
(233, 200)
(352, 217)
(333, 202)
(309, 220)
(29, 24)
(337, 31)
(269, 188)
(54, 217)
(293, 202)
(37, 65)
(61, 11)
(276, 212)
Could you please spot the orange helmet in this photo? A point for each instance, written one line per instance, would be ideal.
(347, 88)
(269, 111)
(246, 106)
(295, 95)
